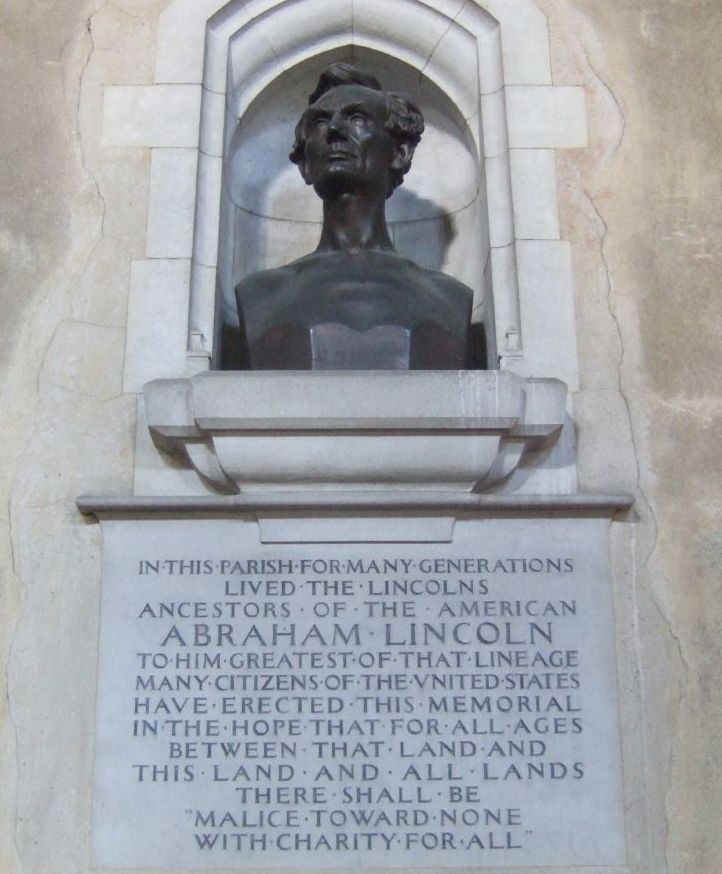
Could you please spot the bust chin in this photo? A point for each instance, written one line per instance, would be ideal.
(354, 303)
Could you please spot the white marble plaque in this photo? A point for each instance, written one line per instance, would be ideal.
(357, 705)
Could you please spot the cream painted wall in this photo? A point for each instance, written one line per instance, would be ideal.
(641, 210)
(643, 217)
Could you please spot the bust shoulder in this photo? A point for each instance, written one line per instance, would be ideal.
(453, 293)
(448, 284)
(265, 281)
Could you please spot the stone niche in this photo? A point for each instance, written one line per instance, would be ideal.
(404, 558)
(483, 74)
(269, 216)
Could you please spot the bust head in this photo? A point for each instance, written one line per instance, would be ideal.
(354, 136)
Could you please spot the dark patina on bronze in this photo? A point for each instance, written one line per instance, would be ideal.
(354, 303)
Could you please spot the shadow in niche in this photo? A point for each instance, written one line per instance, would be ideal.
(419, 230)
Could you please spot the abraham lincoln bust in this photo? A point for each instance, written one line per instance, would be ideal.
(354, 303)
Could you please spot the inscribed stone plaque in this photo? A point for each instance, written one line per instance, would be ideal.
(357, 705)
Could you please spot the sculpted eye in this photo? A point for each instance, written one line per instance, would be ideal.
(314, 122)
(359, 117)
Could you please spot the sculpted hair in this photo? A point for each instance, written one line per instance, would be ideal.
(405, 122)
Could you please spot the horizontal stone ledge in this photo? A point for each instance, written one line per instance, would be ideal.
(351, 400)
(360, 430)
(350, 502)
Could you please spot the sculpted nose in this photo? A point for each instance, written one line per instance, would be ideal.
(336, 126)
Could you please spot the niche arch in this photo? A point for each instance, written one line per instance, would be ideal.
(270, 217)
(244, 57)
(491, 60)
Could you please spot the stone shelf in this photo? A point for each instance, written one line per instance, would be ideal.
(464, 431)
(354, 516)
(593, 504)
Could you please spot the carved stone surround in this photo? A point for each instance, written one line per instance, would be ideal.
(491, 59)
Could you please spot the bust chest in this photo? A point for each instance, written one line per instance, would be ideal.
(348, 310)
(359, 295)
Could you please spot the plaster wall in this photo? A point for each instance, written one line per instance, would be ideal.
(638, 208)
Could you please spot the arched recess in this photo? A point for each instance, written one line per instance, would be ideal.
(455, 55)
(488, 58)
(270, 217)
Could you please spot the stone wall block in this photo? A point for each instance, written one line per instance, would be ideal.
(546, 298)
(151, 115)
(383, 23)
(122, 176)
(455, 63)
(472, 21)
(450, 9)
(181, 36)
(509, 338)
(205, 243)
(545, 117)
(82, 359)
(493, 122)
(254, 63)
(534, 194)
(101, 293)
(213, 115)
(498, 192)
(525, 41)
(215, 62)
(157, 321)
(598, 462)
(54, 644)
(203, 283)
(491, 65)
(301, 27)
(171, 203)
(123, 45)
(483, 297)
(475, 129)
(94, 450)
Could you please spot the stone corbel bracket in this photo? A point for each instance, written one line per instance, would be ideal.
(382, 430)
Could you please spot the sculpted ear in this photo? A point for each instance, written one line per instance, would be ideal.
(403, 153)
(303, 170)
(298, 152)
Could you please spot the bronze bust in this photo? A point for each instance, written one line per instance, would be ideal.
(354, 303)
